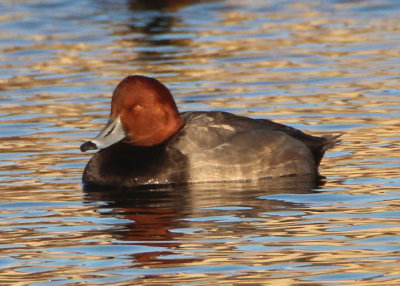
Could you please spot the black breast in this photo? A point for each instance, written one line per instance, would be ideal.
(126, 165)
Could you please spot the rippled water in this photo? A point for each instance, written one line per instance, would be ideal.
(322, 66)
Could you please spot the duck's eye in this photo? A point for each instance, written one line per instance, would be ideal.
(138, 107)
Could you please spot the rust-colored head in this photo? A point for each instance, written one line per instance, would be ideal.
(147, 110)
(143, 113)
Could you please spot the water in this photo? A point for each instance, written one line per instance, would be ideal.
(323, 67)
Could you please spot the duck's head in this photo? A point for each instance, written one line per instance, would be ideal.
(143, 113)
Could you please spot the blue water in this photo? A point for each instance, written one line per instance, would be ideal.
(323, 67)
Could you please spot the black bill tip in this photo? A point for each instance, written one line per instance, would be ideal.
(88, 146)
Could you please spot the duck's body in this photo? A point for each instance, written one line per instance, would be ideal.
(208, 147)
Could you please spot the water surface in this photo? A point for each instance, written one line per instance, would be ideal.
(324, 68)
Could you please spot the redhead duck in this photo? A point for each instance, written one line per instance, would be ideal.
(148, 142)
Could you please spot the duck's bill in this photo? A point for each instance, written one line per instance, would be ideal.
(112, 133)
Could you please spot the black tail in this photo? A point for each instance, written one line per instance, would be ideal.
(330, 141)
(325, 143)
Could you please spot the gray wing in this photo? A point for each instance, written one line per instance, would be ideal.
(218, 149)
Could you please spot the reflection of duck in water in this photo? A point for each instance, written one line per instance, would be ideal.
(147, 141)
(158, 218)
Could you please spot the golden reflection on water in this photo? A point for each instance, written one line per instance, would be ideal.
(323, 69)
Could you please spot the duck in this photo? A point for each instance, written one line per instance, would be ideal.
(148, 142)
